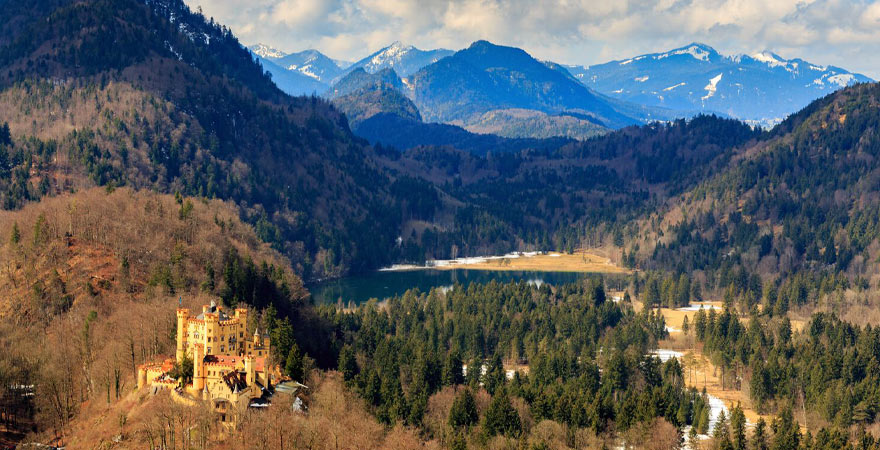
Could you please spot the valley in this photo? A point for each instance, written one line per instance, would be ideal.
(205, 245)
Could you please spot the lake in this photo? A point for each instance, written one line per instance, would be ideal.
(384, 284)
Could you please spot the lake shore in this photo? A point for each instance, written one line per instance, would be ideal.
(582, 261)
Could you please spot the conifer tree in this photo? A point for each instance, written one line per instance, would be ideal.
(473, 373)
(464, 410)
(501, 418)
(5, 135)
(347, 363)
(786, 432)
(495, 376)
(738, 428)
(15, 236)
(452, 374)
(721, 433)
(294, 364)
(759, 436)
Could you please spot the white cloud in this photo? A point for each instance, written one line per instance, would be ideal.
(840, 32)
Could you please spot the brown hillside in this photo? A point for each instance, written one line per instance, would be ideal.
(90, 283)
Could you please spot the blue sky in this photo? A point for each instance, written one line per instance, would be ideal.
(844, 33)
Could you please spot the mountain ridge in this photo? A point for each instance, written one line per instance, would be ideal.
(762, 88)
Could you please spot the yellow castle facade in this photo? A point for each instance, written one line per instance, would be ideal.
(230, 369)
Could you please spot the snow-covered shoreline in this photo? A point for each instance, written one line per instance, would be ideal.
(467, 261)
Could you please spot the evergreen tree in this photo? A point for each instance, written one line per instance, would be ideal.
(459, 442)
(5, 135)
(464, 410)
(294, 364)
(721, 433)
(786, 432)
(759, 436)
(738, 428)
(703, 423)
(501, 418)
(495, 376)
(452, 374)
(347, 363)
(473, 373)
(15, 236)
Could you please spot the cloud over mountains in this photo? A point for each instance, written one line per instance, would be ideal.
(840, 32)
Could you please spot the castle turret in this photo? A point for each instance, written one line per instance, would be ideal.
(242, 315)
(182, 317)
(198, 367)
(256, 338)
(266, 341)
(250, 373)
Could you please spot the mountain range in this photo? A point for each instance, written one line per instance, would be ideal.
(487, 88)
(762, 88)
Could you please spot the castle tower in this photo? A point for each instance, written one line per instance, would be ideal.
(182, 317)
(242, 315)
(212, 330)
(250, 374)
(198, 367)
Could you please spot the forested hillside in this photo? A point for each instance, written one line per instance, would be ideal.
(176, 104)
(540, 364)
(189, 111)
(578, 195)
(798, 210)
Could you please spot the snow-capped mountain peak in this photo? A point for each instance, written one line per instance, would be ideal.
(265, 51)
(700, 52)
(405, 59)
(697, 51)
(389, 56)
(769, 58)
(772, 60)
(762, 87)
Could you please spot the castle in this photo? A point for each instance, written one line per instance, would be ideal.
(230, 371)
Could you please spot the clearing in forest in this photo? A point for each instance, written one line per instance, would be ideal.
(581, 261)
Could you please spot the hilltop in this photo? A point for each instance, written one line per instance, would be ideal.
(91, 281)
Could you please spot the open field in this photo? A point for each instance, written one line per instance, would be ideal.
(582, 261)
(698, 370)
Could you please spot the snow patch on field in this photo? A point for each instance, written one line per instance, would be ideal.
(698, 306)
(666, 355)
